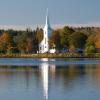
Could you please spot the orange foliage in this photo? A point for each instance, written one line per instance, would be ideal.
(4, 37)
(97, 40)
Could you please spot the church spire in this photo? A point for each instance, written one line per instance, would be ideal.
(47, 19)
(44, 45)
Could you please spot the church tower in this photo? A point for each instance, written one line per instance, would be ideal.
(44, 45)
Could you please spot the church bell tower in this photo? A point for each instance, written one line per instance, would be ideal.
(44, 45)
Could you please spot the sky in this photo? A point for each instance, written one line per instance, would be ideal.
(33, 12)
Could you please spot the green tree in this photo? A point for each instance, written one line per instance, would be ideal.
(90, 48)
(65, 34)
(78, 40)
(90, 44)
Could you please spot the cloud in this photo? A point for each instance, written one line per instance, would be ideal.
(24, 27)
(17, 27)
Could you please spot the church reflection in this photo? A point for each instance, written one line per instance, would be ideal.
(62, 75)
(46, 80)
(45, 68)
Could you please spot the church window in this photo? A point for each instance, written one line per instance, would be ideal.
(40, 48)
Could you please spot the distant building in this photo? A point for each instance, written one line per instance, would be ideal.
(44, 45)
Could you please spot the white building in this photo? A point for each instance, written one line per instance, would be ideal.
(44, 45)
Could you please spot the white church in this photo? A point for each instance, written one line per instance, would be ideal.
(44, 45)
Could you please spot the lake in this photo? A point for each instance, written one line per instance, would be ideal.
(49, 79)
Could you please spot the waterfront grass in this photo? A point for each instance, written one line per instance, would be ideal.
(55, 55)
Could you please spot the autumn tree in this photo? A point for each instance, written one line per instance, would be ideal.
(55, 39)
(6, 42)
(97, 40)
(90, 44)
(39, 34)
(3, 42)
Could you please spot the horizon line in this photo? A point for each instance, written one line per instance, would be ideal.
(54, 26)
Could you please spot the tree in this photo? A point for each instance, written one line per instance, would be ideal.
(96, 39)
(90, 44)
(39, 34)
(55, 39)
(67, 30)
(65, 34)
(4, 41)
(26, 41)
(78, 40)
(90, 48)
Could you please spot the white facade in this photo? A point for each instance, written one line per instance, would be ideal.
(44, 45)
(52, 50)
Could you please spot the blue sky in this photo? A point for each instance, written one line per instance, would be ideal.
(32, 12)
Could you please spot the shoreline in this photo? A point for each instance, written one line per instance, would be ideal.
(56, 55)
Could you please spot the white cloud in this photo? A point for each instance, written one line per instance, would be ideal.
(24, 27)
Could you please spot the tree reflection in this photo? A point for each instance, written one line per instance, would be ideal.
(97, 74)
(64, 77)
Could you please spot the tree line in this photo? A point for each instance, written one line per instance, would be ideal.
(26, 42)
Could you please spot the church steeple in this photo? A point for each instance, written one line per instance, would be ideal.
(44, 45)
(47, 17)
(47, 20)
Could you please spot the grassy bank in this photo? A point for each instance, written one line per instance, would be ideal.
(56, 55)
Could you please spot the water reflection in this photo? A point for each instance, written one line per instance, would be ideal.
(50, 81)
(44, 69)
(68, 77)
(44, 73)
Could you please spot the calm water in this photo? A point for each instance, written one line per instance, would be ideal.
(49, 79)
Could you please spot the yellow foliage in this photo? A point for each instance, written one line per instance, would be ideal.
(97, 40)
(4, 36)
